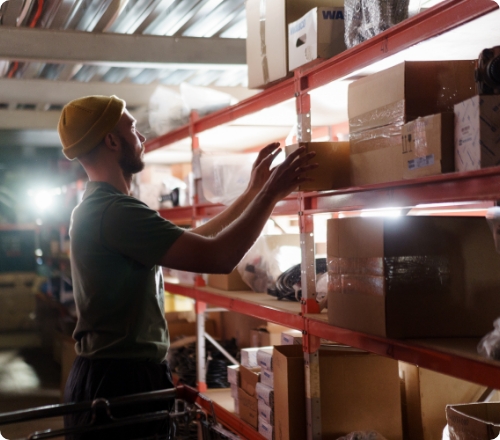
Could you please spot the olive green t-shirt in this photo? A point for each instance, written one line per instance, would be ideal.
(116, 241)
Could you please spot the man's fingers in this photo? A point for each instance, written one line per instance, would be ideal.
(267, 151)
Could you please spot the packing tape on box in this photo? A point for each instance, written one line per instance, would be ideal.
(263, 49)
(376, 138)
(363, 266)
(420, 142)
(393, 113)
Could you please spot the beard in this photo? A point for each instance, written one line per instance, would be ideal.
(130, 161)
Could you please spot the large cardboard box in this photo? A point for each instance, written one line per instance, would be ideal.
(413, 276)
(333, 170)
(381, 103)
(359, 392)
(477, 124)
(318, 34)
(475, 421)
(267, 36)
(230, 281)
(428, 146)
(426, 394)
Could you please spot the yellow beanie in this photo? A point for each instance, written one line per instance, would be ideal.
(85, 122)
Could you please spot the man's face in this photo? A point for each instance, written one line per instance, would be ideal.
(132, 145)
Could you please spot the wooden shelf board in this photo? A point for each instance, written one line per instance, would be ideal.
(258, 305)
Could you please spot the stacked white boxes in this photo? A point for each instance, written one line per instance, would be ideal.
(233, 377)
(265, 393)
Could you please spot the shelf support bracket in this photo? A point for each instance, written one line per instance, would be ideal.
(201, 372)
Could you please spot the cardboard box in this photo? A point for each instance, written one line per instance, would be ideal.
(266, 430)
(318, 34)
(380, 104)
(455, 298)
(265, 358)
(266, 413)
(231, 282)
(477, 421)
(267, 378)
(249, 379)
(334, 165)
(359, 392)
(428, 146)
(407, 91)
(477, 124)
(267, 37)
(248, 410)
(426, 395)
(265, 393)
(261, 337)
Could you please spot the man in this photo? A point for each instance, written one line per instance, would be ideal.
(118, 244)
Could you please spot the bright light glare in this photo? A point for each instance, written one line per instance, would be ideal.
(43, 199)
(381, 213)
(39, 253)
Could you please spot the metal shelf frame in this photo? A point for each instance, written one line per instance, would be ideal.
(482, 185)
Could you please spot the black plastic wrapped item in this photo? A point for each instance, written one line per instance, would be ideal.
(366, 18)
(288, 283)
(410, 272)
(183, 363)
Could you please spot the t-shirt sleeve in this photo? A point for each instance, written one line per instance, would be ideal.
(137, 231)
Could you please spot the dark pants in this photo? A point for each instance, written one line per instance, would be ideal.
(109, 378)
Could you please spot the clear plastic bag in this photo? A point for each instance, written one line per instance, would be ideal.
(167, 110)
(489, 346)
(225, 176)
(363, 435)
(366, 18)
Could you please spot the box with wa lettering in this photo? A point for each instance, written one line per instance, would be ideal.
(318, 34)
(428, 146)
(477, 133)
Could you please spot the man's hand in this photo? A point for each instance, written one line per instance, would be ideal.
(261, 169)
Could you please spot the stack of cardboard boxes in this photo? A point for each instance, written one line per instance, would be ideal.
(265, 393)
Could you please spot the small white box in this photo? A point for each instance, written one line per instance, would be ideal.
(291, 337)
(318, 34)
(233, 374)
(266, 413)
(265, 358)
(249, 357)
(234, 391)
(265, 393)
(267, 378)
(266, 430)
(477, 128)
(237, 406)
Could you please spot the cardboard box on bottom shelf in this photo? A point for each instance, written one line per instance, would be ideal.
(359, 391)
(474, 421)
(426, 395)
(318, 34)
(248, 410)
(428, 146)
(380, 104)
(477, 124)
(333, 171)
(267, 36)
(413, 277)
(231, 282)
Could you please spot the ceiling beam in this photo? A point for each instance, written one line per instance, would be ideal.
(111, 49)
(28, 120)
(29, 139)
(42, 91)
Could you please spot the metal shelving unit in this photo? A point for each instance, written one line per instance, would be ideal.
(431, 33)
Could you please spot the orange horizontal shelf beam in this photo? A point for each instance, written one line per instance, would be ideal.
(472, 368)
(468, 186)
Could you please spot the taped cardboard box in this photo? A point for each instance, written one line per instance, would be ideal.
(407, 91)
(475, 421)
(248, 410)
(477, 124)
(412, 276)
(318, 34)
(267, 36)
(428, 146)
(231, 282)
(426, 395)
(359, 391)
(333, 171)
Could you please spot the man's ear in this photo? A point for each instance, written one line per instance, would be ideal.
(112, 141)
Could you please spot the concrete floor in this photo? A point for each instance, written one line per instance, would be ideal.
(29, 377)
